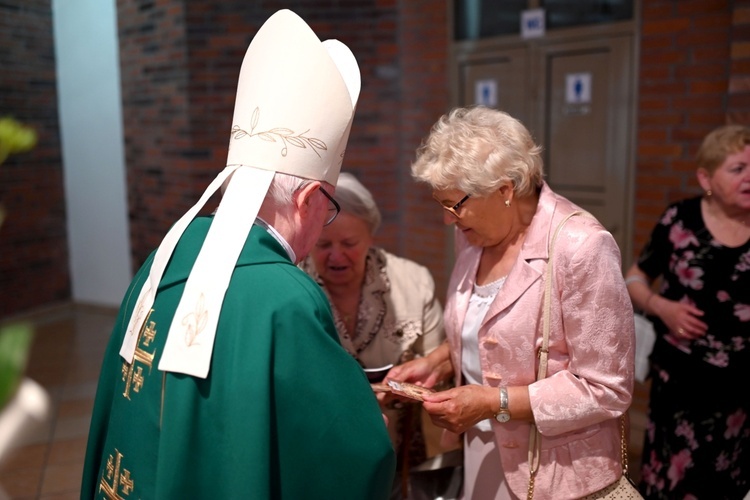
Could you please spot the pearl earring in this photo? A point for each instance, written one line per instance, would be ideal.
(709, 192)
(507, 203)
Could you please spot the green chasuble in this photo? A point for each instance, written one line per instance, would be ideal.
(285, 412)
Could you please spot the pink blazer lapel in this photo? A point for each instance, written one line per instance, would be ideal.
(529, 266)
(521, 277)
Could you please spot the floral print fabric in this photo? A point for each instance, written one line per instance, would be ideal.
(697, 443)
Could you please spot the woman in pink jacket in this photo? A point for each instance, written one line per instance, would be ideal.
(486, 172)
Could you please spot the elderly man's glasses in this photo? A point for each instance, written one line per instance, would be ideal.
(455, 208)
(333, 207)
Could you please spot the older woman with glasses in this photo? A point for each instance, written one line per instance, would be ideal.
(384, 306)
(486, 172)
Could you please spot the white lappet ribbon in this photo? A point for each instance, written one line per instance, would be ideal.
(190, 340)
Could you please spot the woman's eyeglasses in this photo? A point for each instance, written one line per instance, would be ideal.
(455, 208)
(333, 207)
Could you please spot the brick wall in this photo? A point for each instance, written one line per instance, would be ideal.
(179, 66)
(33, 242)
(694, 76)
(160, 156)
(686, 65)
(424, 42)
(180, 63)
(738, 106)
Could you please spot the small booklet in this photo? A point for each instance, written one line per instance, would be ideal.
(404, 389)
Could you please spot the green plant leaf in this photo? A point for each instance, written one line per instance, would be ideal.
(15, 344)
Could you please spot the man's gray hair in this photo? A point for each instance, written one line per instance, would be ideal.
(284, 186)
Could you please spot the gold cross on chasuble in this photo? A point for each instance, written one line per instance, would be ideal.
(113, 479)
(133, 374)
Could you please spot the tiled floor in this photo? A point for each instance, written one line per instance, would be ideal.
(65, 359)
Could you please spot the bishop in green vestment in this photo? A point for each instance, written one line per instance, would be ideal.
(285, 412)
(224, 376)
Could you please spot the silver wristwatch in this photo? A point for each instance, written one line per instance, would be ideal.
(503, 415)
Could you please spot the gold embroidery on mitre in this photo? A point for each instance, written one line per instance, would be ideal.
(114, 479)
(195, 322)
(285, 135)
(132, 373)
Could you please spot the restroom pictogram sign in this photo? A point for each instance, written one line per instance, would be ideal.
(578, 88)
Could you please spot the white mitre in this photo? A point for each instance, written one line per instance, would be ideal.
(294, 109)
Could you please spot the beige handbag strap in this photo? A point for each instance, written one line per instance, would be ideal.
(544, 350)
(535, 438)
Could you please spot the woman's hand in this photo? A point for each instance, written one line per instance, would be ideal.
(426, 371)
(459, 408)
(681, 318)
(417, 371)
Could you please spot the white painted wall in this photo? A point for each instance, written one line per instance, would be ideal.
(88, 86)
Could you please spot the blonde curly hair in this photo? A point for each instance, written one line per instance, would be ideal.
(720, 143)
(477, 149)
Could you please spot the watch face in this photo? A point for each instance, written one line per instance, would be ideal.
(502, 417)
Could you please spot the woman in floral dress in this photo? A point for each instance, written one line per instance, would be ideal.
(697, 443)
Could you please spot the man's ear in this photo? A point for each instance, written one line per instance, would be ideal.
(303, 198)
